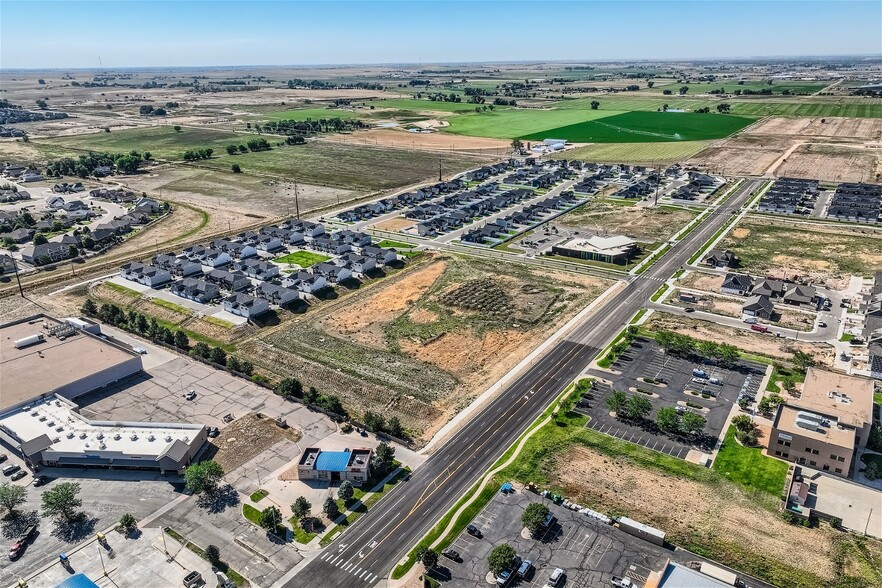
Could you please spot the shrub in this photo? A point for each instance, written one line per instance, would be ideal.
(212, 554)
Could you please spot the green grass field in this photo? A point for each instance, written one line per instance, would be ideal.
(162, 142)
(346, 166)
(796, 87)
(302, 258)
(669, 152)
(508, 123)
(646, 127)
(305, 113)
(424, 105)
(748, 467)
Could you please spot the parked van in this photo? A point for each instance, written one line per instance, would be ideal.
(556, 578)
(699, 373)
(715, 381)
(751, 320)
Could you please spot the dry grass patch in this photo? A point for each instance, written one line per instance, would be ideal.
(646, 224)
(831, 164)
(247, 437)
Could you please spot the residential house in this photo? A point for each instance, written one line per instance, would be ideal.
(769, 287)
(738, 284)
(147, 206)
(799, 294)
(333, 273)
(20, 235)
(254, 268)
(233, 281)
(305, 282)
(216, 258)
(177, 266)
(195, 289)
(380, 254)
(45, 253)
(759, 307)
(244, 305)
(147, 275)
(359, 264)
(269, 243)
(278, 295)
(717, 258)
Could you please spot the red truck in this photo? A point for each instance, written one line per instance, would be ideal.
(759, 328)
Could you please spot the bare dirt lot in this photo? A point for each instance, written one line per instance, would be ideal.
(709, 303)
(421, 344)
(426, 141)
(695, 512)
(395, 224)
(247, 437)
(742, 155)
(702, 281)
(831, 163)
(826, 253)
(851, 128)
(645, 224)
(746, 340)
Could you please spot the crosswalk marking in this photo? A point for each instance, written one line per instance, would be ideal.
(362, 574)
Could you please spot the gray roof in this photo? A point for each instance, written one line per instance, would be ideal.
(36, 445)
(176, 451)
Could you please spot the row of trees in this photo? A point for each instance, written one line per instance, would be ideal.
(377, 423)
(683, 345)
(61, 502)
(87, 165)
(636, 408)
(150, 110)
(198, 154)
(310, 127)
(291, 388)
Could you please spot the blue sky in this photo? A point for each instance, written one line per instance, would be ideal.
(202, 33)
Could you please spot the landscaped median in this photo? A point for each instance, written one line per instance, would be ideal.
(722, 230)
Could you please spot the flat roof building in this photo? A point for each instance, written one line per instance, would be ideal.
(824, 427)
(335, 466)
(615, 249)
(61, 359)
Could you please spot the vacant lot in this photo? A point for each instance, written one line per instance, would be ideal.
(162, 142)
(831, 163)
(647, 127)
(637, 153)
(742, 155)
(851, 128)
(399, 138)
(826, 253)
(423, 343)
(645, 224)
(749, 341)
(348, 166)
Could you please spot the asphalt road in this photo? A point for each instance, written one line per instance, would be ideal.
(377, 541)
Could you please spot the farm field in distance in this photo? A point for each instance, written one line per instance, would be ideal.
(646, 153)
(827, 252)
(508, 124)
(730, 86)
(647, 127)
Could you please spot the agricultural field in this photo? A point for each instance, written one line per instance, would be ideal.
(832, 163)
(834, 127)
(743, 154)
(730, 86)
(510, 123)
(302, 114)
(646, 224)
(823, 252)
(423, 343)
(423, 105)
(646, 127)
(163, 142)
(637, 153)
(346, 166)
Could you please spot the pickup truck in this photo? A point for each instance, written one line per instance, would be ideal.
(759, 328)
(621, 582)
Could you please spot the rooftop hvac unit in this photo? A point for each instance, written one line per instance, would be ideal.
(70, 435)
(31, 340)
(56, 440)
(82, 435)
(99, 436)
(50, 424)
(134, 437)
(59, 429)
(151, 438)
(168, 438)
(102, 446)
(42, 418)
(117, 437)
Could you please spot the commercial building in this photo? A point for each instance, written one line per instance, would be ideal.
(335, 466)
(824, 427)
(616, 249)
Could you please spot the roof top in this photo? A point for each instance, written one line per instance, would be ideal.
(332, 461)
(794, 420)
(849, 398)
(616, 244)
(677, 576)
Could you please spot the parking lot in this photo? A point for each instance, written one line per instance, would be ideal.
(589, 551)
(645, 359)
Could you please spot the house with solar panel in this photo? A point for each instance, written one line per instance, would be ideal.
(351, 465)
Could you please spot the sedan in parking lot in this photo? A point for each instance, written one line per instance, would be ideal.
(18, 475)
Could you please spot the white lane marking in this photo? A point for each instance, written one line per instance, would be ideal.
(349, 565)
(362, 574)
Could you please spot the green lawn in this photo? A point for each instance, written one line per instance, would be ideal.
(170, 306)
(730, 86)
(123, 290)
(510, 123)
(748, 467)
(305, 113)
(258, 495)
(388, 243)
(646, 127)
(162, 142)
(348, 166)
(302, 258)
(218, 322)
(669, 152)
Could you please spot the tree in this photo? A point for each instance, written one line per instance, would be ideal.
(62, 501)
(871, 471)
(595, 105)
(683, 90)
(617, 401)
(727, 354)
(218, 356)
(650, 84)
(270, 518)
(232, 149)
(384, 458)
(177, 128)
(692, 425)
(89, 308)
(301, 508)
(330, 508)
(201, 350)
(235, 168)
(290, 388)
(666, 93)
(429, 558)
(345, 492)
(394, 427)
(41, 104)
(212, 554)
(668, 419)
(11, 497)
(638, 407)
(181, 340)
(500, 558)
(533, 518)
(707, 349)
(40, 239)
(517, 145)
(801, 359)
(128, 522)
(724, 107)
(203, 476)
(374, 422)
(742, 422)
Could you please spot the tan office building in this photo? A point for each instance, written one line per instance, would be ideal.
(824, 426)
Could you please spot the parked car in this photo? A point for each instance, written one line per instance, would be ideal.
(3, 457)
(19, 546)
(41, 481)
(450, 554)
(556, 579)
(10, 469)
(822, 324)
(690, 309)
(525, 569)
(507, 575)
(18, 475)
(474, 531)
(191, 395)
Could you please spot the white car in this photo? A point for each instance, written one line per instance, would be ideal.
(191, 395)
(139, 350)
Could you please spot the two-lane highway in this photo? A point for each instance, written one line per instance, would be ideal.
(376, 542)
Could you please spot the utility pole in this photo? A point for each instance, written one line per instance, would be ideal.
(439, 168)
(657, 182)
(17, 278)
(297, 200)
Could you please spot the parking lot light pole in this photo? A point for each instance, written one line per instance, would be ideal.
(101, 556)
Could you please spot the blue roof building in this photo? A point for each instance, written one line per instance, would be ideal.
(351, 465)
